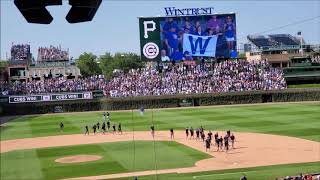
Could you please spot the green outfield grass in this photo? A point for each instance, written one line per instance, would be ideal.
(256, 173)
(117, 157)
(304, 86)
(296, 119)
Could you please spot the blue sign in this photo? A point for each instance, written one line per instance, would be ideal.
(200, 45)
(172, 11)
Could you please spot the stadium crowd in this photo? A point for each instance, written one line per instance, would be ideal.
(52, 54)
(227, 76)
(302, 177)
(20, 51)
(56, 85)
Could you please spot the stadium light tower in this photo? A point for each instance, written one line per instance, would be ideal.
(34, 11)
(82, 10)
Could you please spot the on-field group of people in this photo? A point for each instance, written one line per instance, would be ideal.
(223, 142)
(226, 76)
(199, 134)
(103, 127)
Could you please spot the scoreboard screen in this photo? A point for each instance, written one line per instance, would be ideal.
(188, 37)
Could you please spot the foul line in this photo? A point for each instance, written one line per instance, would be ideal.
(243, 172)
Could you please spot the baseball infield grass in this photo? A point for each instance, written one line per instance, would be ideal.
(256, 173)
(296, 119)
(117, 157)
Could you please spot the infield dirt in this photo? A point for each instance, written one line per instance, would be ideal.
(251, 150)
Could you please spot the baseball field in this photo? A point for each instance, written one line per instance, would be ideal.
(272, 140)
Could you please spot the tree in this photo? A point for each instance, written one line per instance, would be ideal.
(242, 56)
(105, 64)
(4, 71)
(4, 63)
(122, 61)
(88, 65)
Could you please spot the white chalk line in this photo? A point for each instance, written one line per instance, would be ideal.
(242, 172)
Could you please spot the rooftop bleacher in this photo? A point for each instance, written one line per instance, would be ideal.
(284, 39)
(275, 41)
(261, 41)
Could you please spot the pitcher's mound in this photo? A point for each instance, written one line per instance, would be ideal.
(78, 159)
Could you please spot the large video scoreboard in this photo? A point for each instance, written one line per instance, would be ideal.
(188, 37)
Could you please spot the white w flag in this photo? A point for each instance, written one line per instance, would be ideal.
(200, 45)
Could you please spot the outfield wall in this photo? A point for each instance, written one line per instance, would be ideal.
(288, 95)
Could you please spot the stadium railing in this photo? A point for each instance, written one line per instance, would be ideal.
(247, 97)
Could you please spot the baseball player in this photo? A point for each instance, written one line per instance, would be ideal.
(210, 136)
(104, 116)
(94, 127)
(218, 143)
(198, 134)
(98, 125)
(226, 142)
(187, 133)
(114, 128)
(171, 133)
(228, 133)
(216, 137)
(86, 130)
(152, 130)
(221, 142)
(61, 126)
(208, 143)
(232, 140)
(191, 133)
(103, 127)
(203, 136)
(119, 128)
(108, 125)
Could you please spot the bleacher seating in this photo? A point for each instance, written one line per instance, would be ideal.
(261, 41)
(274, 40)
(284, 39)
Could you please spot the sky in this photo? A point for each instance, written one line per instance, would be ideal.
(115, 25)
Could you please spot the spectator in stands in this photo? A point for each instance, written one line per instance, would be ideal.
(164, 57)
(230, 31)
(199, 31)
(20, 52)
(172, 40)
(52, 54)
(187, 56)
(227, 76)
(58, 85)
(214, 25)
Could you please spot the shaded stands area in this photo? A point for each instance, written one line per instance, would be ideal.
(277, 49)
(303, 70)
(285, 39)
(261, 41)
(274, 40)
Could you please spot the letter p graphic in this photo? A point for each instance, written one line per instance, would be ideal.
(147, 29)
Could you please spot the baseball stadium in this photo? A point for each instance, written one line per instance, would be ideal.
(96, 90)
